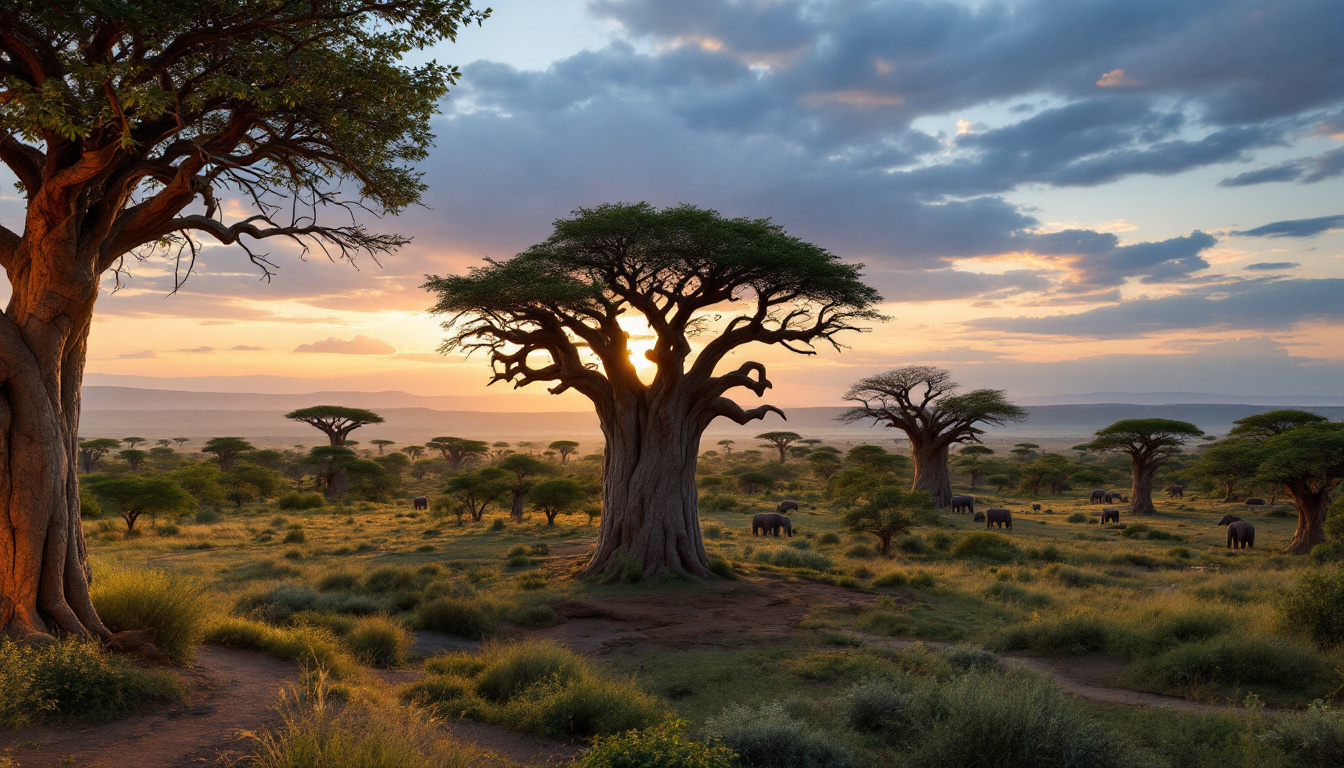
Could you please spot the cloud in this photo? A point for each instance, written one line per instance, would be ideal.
(1115, 79)
(247, 348)
(359, 345)
(1272, 266)
(1308, 170)
(1296, 227)
(1258, 305)
(144, 354)
(198, 350)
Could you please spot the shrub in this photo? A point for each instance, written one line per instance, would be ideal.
(1315, 607)
(588, 705)
(712, 531)
(1315, 738)
(498, 524)
(301, 501)
(449, 695)
(662, 746)
(278, 603)
(1049, 553)
(797, 558)
(457, 616)
(1230, 661)
(914, 545)
(359, 735)
(533, 580)
(1076, 517)
(338, 581)
(769, 737)
(208, 515)
(174, 606)
(389, 579)
(969, 658)
(722, 568)
(985, 546)
(1070, 636)
(510, 669)
(73, 679)
(828, 538)
(167, 530)
(876, 705)
(1073, 577)
(535, 616)
(314, 648)
(379, 641)
(861, 552)
(891, 579)
(1022, 721)
(296, 536)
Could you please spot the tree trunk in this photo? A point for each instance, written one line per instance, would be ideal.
(931, 473)
(1229, 491)
(1311, 509)
(1141, 492)
(650, 513)
(517, 510)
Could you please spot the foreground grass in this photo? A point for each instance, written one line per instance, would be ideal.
(75, 680)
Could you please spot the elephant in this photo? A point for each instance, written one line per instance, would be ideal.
(1098, 496)
(787, 505)
(1110, 515)
(1175, 491)
(1114, 496)
(979, 517)
(420, 502)
(1240, 534)
(1000, 516)
(1035, 507)
(1255, 501)
(963, 504)
(767, 523)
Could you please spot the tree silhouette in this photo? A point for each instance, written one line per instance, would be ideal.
(922, 402)
(382, 444)
(565, 448)
(1150, 445)
(227, 449)
(130, 128)
(780, 441)
(131, 442)
(553, 314)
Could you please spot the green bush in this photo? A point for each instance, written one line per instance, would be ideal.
(208, 515)
(511, 668)
(1230, 661)
(1315, 607)
(314, 648)
(389, 579)
(173, 605)
(861, 552)
(535, 616)
(891, 579)
(74, 679)
(985, 546)
(1314, 739)
(722, 568)
(797, 558)
(662, 746)
(1076, 517)
(89, 506)
(586, 706)
(339, 581)
(296, 536)
(276, 604)
(876, 705)
(379, 641)
(1070, 636)
(769, 737)
(457, 616)
(301, 501)
(449, 696)
(828, 538)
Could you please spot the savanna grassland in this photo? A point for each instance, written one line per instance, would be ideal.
(1141, 643)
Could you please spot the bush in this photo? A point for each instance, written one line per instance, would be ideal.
(296, 536)
(533, 580)
(891, 579)
(797, 558)
(314, 648)
(301, 501)
(172, 605)
(1230, 661)
(828, 538)
(278, 603)
(877, 705)
(359, 735)
(208, 515)
(985, 546)
(509, 669)
(1315, 607)
(861, 552)
(449, 696)
(457, 616)
(389, 579)
(1315, 738)
(379, 641)
(586, 706)
(722, 568)
(339, 581)
(74, 679)
(1070, 636)
(662, 746)
(769, 737)
(1022, 721)
(1076, 517)
(535, 616)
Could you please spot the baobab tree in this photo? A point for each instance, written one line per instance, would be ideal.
(1308, 461)
(780, 441)
(131, 128)
(922, 401)
(559, 313)
(1150, 445)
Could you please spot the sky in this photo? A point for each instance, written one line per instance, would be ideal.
(1053, 196)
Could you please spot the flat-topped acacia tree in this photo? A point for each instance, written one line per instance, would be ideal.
(1150, 445)
(923, 402)
(336, 422)
(131, 127)
(706, 286)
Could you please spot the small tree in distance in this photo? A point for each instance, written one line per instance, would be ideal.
(335, 421)
(780, 441)
(131, 442)
(414, 451)
(227, 449)
(457, 450)
(133, 497)
(521, 472)
(971, 458)
(90, 451)
(478, 490)
(1150, 444)
(382, 444)
(565, 448)
(133, 457)
(890, 512)
(552, 497)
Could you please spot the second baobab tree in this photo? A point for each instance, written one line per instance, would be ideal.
(564, 311)
(924, 403)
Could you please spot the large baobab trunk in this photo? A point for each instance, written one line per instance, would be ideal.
(931, 472)
(1311, 508)
(1141, 491)
(649, 503)
(44, 576)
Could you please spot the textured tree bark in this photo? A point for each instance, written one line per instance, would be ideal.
(1141, 492)
(1311, 509)
(931, 472)
(650, 509)
(516, 511)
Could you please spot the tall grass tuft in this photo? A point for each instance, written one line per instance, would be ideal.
(467, 617)
(174, 606)
(1314, 739)
(315, 648)
(73, 679)
(511, 668)
(379, 641)
(769, 737)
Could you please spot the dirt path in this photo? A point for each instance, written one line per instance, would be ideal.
(229, 691)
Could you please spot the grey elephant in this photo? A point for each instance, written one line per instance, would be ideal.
(787, 505)
(1240, 534)
(963, 504)
(1175, 491)
(420, 502)
(1000, 517)
(1114, 496)
(979, 517)
(1098, 496)
(767, 523)
(1255, 501)
(1110, 515)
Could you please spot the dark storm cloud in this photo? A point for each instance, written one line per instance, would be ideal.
(1296, 227)
(1272, 266)
(1308, 170)
(1099, 260)
(1252, 305)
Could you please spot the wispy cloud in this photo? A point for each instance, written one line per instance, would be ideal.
(359, 345)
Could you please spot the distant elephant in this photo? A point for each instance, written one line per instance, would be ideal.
(1255, 501)
(1175, 491)
(1035, 507)
(1110, 515)
(1114, 496)
(978, 518)
(767, 523)
(963, 504)
(998, 516)
(1098, 496)
(787, 505)
(1240, 534)
(420, 502)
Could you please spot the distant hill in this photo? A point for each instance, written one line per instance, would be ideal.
(121, 411)
(1178, 398)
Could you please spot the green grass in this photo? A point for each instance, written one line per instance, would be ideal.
(75, 680)
(173, 605)
(314, 648)
(379, 641)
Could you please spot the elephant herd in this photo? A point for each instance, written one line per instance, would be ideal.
(1103, 496)
(768, 523)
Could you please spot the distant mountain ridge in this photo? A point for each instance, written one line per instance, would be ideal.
(1181, 398)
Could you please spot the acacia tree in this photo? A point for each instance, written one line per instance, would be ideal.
(553, 497)
(133, 457)
(1309, 462)
(565, 448)
(90, 451)
(336, 422)
(131, 127)
(477, 490)
(521, 473)
(456, 450)
(780, 441)
(553, 314)
(226, 449)
(1228, 462)
(1150, 445)
(922, 402)
(382, 444)
(890, 512)
(971, 458)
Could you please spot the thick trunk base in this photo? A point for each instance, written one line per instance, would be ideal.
(932, 475)
(1310, 524)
